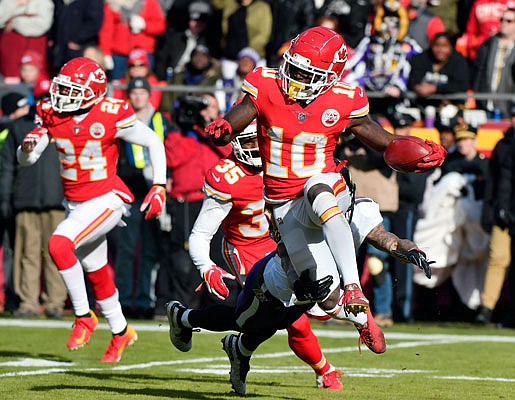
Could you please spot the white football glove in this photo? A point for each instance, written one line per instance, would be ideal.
(213, 279)
(137, 24)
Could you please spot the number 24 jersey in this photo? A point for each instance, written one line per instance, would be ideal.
(88, 148)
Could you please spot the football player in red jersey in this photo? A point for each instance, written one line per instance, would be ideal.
(234, 200)
(301, 110)
(86, 127)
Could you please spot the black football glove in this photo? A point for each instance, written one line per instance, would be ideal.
(308, 291)
(416, 257)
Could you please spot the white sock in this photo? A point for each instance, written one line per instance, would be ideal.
(75, 284)
(338, 236)
(112, 311)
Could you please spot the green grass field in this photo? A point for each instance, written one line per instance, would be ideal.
(423, 361)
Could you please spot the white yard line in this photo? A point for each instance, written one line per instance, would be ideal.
(408, 340)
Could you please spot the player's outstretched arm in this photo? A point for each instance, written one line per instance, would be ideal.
(370, 133)
(211, 215)
(403, 249)
(225, 129)
(33, 145)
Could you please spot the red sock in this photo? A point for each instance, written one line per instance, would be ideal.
(102, 283)
(305, 345)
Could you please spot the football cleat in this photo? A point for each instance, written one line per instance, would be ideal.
(330, 381)
(83, 327)
(118, 344)
(353, 300)
(180, 336)
(240, 365)
(371, 335)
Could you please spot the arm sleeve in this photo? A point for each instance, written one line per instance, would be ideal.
(141, 134)
(26, 159)
(211, 215)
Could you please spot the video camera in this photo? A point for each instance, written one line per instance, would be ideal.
(187, 111)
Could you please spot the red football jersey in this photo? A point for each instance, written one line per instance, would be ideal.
(295, 142)
(87, 147)
(246, 226)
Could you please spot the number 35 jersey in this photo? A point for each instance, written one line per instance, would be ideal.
(298, 142)
(246, 226)
(88, 148)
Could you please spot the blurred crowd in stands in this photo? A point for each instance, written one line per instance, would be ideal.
(442, 64)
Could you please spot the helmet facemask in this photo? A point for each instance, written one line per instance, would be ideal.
(67, 96)
(319, 82)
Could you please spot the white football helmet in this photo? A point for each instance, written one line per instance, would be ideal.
(247, 156)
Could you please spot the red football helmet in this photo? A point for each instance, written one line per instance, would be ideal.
(247, 156)
(319, 53)
(80, 84)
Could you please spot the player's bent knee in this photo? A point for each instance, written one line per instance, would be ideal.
(317, 189)
(62, 251)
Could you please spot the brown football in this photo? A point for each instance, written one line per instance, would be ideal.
(404, 153)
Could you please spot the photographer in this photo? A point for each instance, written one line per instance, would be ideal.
(189, 154)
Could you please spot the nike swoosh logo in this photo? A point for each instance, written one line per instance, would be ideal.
(125, 106)
(80, 339)
(360, 93)
(217, 179)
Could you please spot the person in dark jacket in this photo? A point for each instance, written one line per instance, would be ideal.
(438, 70)
(76, 26)
(289, 18)
(495, 219)
(34, 194)
(494, 63)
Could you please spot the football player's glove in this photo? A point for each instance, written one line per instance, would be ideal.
(416, 257)
(433, 160)
(214, 281)
(308, 291)
(32, 138)
(154, 202)
(218, 128)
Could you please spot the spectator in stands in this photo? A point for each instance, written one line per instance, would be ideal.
(289, 18)
(37, 197)
(128, 25)
(173, 59)
(483, 22)
(33, 75)
(438, 70)
(381, 63)
(139, 67)
(468, 160)
(493, 65)
(248, 59)
(76, 26)
(423, 25)
(24, 25)
(201, 70)
(245, 23)
(353, 16)
(189, 155)
(137, 243)
(496, 219)
(447, 11)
